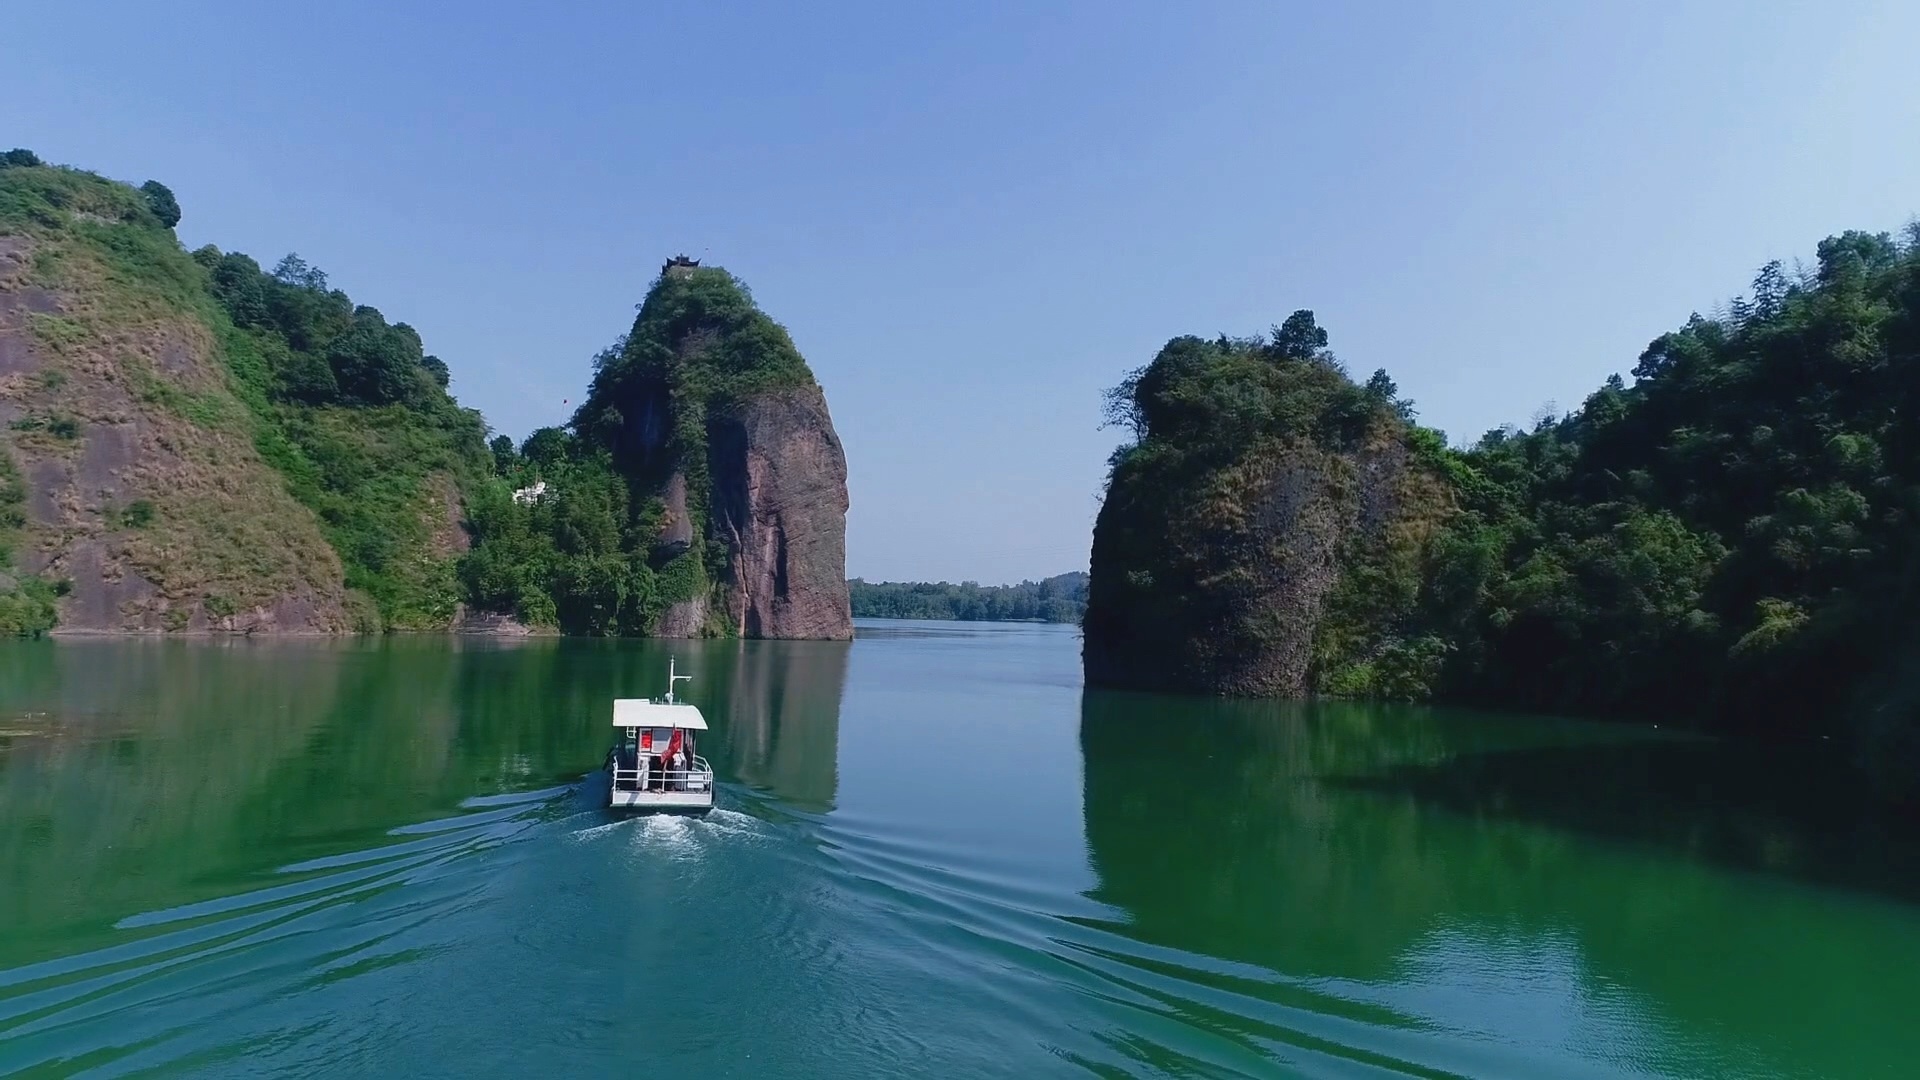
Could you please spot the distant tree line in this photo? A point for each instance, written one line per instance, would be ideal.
(1058, 599)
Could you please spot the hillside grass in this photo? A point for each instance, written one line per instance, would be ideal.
(217, 527)
(371, 477)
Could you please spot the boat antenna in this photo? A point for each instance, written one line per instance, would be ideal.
(672, 678)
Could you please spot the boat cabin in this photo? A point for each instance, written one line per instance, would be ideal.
(655, 760)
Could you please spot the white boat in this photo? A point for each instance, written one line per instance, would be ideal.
(654, 764)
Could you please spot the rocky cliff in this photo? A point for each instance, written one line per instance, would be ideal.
(146, 505)
(780, 501)
(1261, 534)
(191, 443)
(715, 419)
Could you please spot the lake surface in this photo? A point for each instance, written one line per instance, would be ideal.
(935, 855)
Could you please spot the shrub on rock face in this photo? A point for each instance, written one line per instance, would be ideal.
(160, 200)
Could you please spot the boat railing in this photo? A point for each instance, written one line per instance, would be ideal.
(628, 778)
(698, 777)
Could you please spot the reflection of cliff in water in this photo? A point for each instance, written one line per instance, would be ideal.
(1209, 824)
(775, 709)
(1308, 839)
(121, 761)
(138, 772)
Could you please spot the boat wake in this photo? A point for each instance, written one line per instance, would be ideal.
(677, 834)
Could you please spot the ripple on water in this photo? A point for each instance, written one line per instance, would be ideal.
(881, 941)
(152, 1001)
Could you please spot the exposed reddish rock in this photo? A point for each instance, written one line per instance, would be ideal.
(710, 409)
(1253, 557)
(780, 500)
(447, 518)
(676, 535)
(221, 546)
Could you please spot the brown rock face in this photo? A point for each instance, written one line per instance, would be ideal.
(677, 534)
(709, 410)
(780, 501)
(1224, 588)
(144, 491)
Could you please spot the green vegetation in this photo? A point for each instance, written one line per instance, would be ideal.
(13, 507)
(1060, 599)
(356, 416)
(60, 427)
(1730, 538)
(160, 200)
(575, 556)
(28, 607)
(1733, 533)
(600, 551)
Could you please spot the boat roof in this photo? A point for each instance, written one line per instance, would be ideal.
(639, 712)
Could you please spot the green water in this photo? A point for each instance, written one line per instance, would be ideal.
(934, 856)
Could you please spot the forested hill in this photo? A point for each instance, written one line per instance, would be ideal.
(1060, 599)
(1730, 536)
(194, 443)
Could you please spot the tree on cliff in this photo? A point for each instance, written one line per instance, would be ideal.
(377, 364)
(161, 201)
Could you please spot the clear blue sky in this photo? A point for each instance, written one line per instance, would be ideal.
(973, 217)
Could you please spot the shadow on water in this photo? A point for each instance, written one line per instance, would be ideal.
(1798, 812)
(1549, 876)
(1211, 824)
